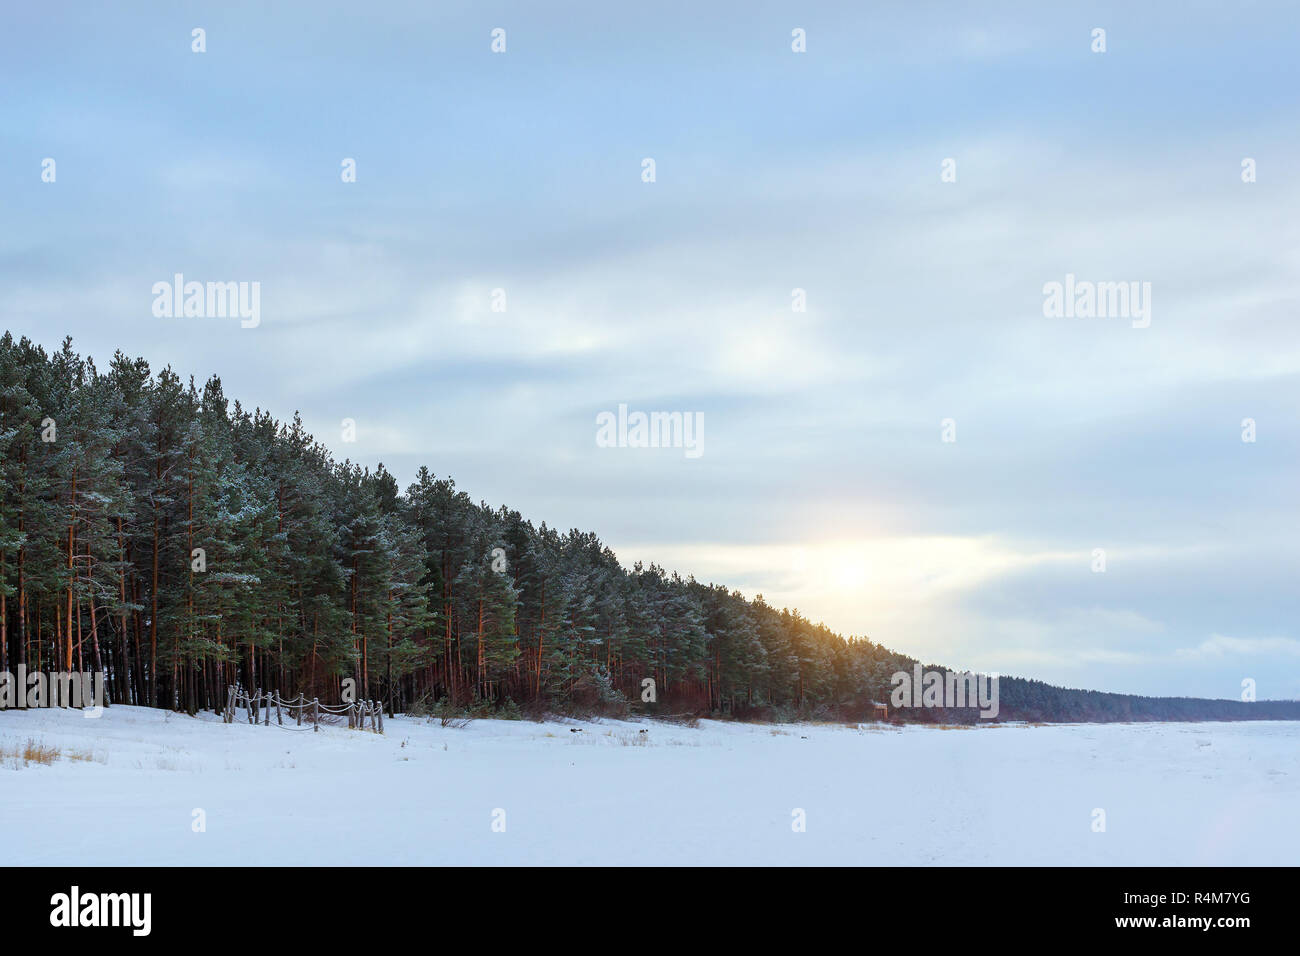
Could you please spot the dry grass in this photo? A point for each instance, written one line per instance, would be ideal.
(36, 752)
(633, 740)
(681, 720)
(610, 738)
(25, 754)
(86, 756)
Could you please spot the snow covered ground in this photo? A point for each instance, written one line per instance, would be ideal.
(721, 793)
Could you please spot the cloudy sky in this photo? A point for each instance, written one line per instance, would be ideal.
(824, 481)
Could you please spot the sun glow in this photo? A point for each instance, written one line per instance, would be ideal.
(855, 586)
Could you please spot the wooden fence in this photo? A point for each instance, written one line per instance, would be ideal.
(360, 714)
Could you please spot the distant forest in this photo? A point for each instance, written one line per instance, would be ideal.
(180, 543)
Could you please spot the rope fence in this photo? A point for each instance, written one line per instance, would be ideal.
(360, 714)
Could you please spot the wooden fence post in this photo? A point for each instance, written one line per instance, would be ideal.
(315, 707)
(300, 708)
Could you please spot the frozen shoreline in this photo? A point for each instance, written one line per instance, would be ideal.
(721, 793)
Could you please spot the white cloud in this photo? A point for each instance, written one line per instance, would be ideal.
(1220, 645)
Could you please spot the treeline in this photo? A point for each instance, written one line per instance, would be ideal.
(1022, 699)
(179, 542)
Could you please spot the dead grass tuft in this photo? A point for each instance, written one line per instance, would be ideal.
(85, 756)
(25, 754)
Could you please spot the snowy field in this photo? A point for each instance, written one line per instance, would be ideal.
(125, 788)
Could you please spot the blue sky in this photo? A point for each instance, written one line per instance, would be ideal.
(824, 483)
